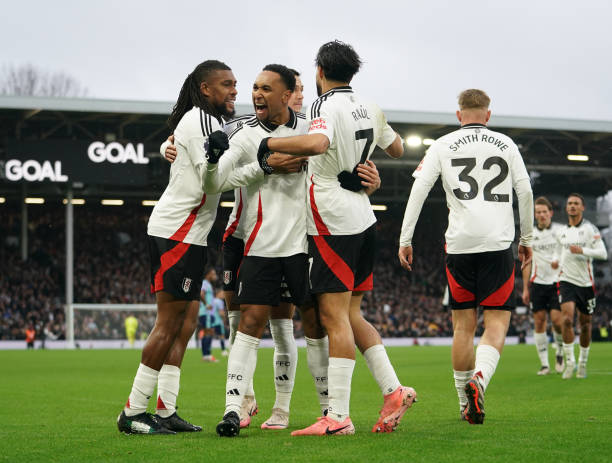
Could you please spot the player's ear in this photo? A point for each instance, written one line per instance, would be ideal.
(286, 96)
(488, 115)
(458, 115)
(204, 89)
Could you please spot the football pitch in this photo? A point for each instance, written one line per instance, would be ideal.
(62, 406)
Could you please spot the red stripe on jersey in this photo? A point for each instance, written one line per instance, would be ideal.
(160, 403)
(256, 228)
(459, 293)
(367, 284)
(232, 228)
(181, 233)
(499, 297)
(335, 263)
(591, 276)
(321, 227)
(167, 260)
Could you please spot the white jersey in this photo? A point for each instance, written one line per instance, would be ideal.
(235, 226)
(545, 252)
(479, 170)
(274, 216)
(353, 127)
(184, 212)
(577, 268)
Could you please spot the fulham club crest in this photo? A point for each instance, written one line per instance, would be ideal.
(227, 277)
(187, 284)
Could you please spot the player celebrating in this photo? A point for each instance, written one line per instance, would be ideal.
(479, 169)
(344, 130)
(580, 242)
(297, 96)
(178, 228)
(542, 275)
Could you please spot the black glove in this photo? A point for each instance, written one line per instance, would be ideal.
(215, 146)
(350, 180)
(263, 153)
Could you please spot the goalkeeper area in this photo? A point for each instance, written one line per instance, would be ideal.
(62, 406)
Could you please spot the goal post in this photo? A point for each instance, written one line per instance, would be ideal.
(103, 314)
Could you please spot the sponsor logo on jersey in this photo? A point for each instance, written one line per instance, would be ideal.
(319, 123)
(187, 284)
(227, 277)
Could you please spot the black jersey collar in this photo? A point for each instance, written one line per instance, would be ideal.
(271, 127)
(474, 126)
(342, 88)
(577, 225)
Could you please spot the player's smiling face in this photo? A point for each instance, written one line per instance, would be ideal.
(270, 96)
(543, 215)
(220, 88)
(297, 97)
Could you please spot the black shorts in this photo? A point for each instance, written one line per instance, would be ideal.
(233, 251)
(342, 263)
(259, 280)
(176, 268)
(582, 296)
(481, 279)
(544, 297)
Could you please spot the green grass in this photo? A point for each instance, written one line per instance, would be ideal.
(62, 406)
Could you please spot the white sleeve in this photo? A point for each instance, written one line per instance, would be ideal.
(429, 168)
(162, 149)
(418, 195)
(386, 133)
(321, 121)
(525, 207)
(215, 175)
(597, 248)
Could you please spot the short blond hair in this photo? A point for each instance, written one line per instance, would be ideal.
(473, 99)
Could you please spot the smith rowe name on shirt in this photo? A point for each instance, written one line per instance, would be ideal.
(475, 138)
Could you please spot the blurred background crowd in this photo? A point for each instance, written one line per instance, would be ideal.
(111, 265)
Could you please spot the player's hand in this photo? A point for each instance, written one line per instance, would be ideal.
(370, 179)
(215, 146)
(525, 296)
(405, 257)
(285, 163)
(525, 254)
(554, 264)
(170, 153)
(574, 249)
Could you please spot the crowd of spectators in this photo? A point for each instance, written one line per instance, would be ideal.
(111, 265)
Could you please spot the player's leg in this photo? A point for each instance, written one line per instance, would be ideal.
(397, 398)
(233, 251)
(556, 320)
(541, 339)
(568, 308)
(585, 316)
(462, 350)
(495, 287)
(168, 381)
(461, 278)
(259, 282)
(170, 317)
(317, 352)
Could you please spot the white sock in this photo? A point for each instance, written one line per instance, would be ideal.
(285, 361)
(317, 357)
(233, 317)
(461, 378)
(240, 369)
(167, 390)
(558, 342)
(568, 350)
(381, 368)
(541, 342)
(584, 354)
(339, 373)
(487, 358)
(142, 390)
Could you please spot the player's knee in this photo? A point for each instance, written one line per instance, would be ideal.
(252, 323)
